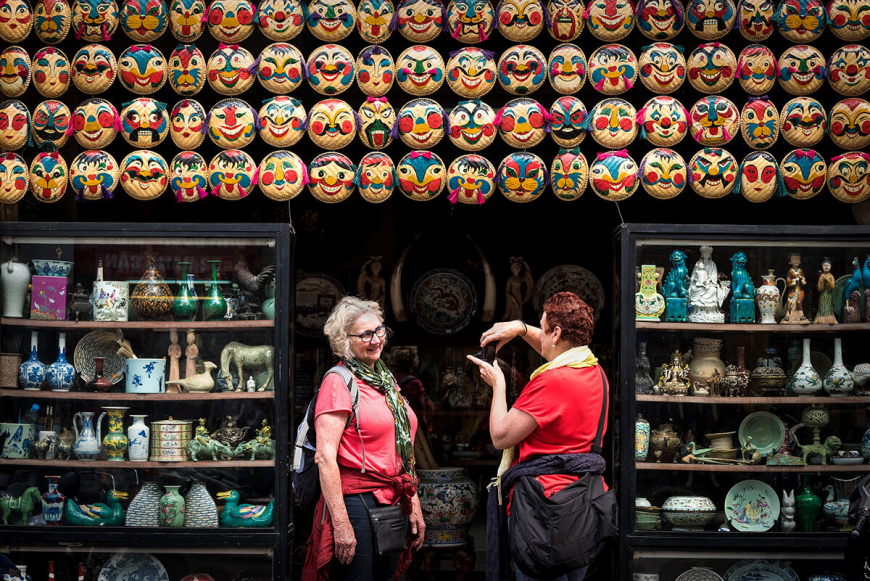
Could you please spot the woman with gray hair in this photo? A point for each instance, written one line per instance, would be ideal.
(365, 462)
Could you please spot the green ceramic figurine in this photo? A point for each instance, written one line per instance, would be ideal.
(244, 515)
(263, 445)
(742, 291)
(22, 505)
(110, 514)
(203, 444)
(674, 288)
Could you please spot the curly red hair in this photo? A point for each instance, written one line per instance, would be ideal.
(568, 312)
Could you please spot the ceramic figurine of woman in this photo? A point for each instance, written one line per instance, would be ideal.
(706, 293)
(825, 313)
(795, 281)
(370, 274)
(174, 353)
(514, 297)
(191, 352)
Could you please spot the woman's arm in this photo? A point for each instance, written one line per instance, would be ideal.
(505, 332)
(329, 428)
(506, 428)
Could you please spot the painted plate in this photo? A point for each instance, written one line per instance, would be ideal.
(575, 279)
(753, 506)
(766, 430)
(699, 574)
(443, 301)
(114, 366)
(316, 295)
(760, 570)
(124, 566)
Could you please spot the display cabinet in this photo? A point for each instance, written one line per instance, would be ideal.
(742, 404)
(179, 335)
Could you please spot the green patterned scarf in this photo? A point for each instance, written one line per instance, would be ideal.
(382, 380)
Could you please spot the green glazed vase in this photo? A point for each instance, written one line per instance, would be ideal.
(115, 441)
(807, 505)
(214, 308)
(186, 303)
(172, 508)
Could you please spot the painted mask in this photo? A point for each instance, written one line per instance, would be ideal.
(421, 175)
(566, 121)
(711, 68)
(757, 69)
(756, 19)
(664, 121)
(801, 70)
(612, 69)
(566, 19)
(660, 19)
(522, 123)
(14, 178)
(663, 173)
(849, 177)
(331, 177)
(471, 72)
(567, 67)
(232, 124)
(569, 174)
(94, 20)
(94, 69)
(186, 70)
(14, 71)
(470, 179)
(610, 20)
(48, 176)
(232, 174)
(710, 19)
(332, 124)
(373, 20)
(186, 20)
(472, 125)
(14, 125)
(330, 69)
(421, 123)
(144, 122)
(231, 70)
(280, 68)
(612, 123)
(849, 19)
(470, 21)
(93, 175)
(377, 118)
(95, 123)
(188, 177)
(849, 73)
(142, 69)
(144, 175)
(231, 20)
(419, 20)
(522, 176)
(520, 20)
(803, 122)
(51, 72)
(613, 176)
(16, 20)
(801, 20)
(713, 172)
(420, 70)
(52, 20)
(331, 20)
(281, 20)
(282, 121)
(376, 70)
(662, 68)
(282, 176)
(715, 120)
(187, 124)
(850, 124)
(51, 122)
(376, 177)
(803, 173)
(758, 178)
(759, 123)
(522, 69)
(144, 20)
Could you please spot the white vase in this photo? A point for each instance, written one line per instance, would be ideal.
(838, 381)
(806, 381)
(767, 297)
(144, 509)
(14, 279)
(138, 436)
(199, 507)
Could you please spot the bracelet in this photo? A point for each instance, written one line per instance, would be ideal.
(525, 329)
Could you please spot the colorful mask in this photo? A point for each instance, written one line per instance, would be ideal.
(472, 125)
(14, 178)
(850, 124)
(282, 121)
(713, 172)
(522, 69)
(232, 174)
(613, 176)
(756, 19)
(231, 70)
(142, 69)
(471, 72)
(51, 72)
(93, 175)
(48, 176)
(567, 67)
(421, 123)
(375, 71)
(94, 69)
(232, 124)
(144, 175)
(419, 20)
(662, 68)
(801, 70)
(95, 123)
(187, 124)
(711, 68)
(331, 177)
(281, 68)
(186, 70)
(612, 69)
(51, 122)
(804, 122)
(715, 121)
(566, 19)
(660, 19)
(377, 118)
(421, 175)
(758, 177)
(373, 20)
(710, 19)
(16, 20)
(759, 123)
(52, 20)
(330, 69)
(420, 70)
(14, 125)
(757, 69)
(14, 71)
(569, 174)
(470, 21)
(231, 20)
(664, 121)
(522, 123)
(566, 121)
(801, 20)
(520, 20)
(331, 20)
(332, 124)
(663, 173)
(94, 20)
(803, 173)
(281, 20)
(376, 177)
(470, 179)
(849, 72)
(849, 19)
(186, 19)
(612, 123)
(610, 20)
(849, 177)
(144, 20)
(188, 177)
(144, 122)
(522, 176)
(282, 176)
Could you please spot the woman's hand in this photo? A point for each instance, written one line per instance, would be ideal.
(491, 374)
(503, 333)
(418, 527)
(345, 541)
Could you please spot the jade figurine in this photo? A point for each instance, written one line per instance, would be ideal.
(674, 288)
(742, 291)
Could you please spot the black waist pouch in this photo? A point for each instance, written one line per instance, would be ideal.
(389, 528)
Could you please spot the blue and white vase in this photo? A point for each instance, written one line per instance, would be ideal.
(138, 436)
(199, 507)
(144, 509)
(31, 374)
(61, 373)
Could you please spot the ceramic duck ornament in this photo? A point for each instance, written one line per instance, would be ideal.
(244, 515)
(109, 514)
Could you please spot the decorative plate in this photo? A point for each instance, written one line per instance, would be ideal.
(124, 566)
(575, 279)
(699, 574)
(443, 301)
(765, 429)
(751, 506)
(760, 570)
(114, 367)
(316, 295)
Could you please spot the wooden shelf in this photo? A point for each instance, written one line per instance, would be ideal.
(89, 396)
(128, 464)
(812, 468)
(861, 399)
(152, 325)
(748, 327)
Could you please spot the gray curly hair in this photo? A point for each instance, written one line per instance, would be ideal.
(342, 318)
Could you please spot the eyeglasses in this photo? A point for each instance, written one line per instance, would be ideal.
(381, 332)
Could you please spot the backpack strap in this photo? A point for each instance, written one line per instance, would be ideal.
(353, 388)
(599, 435)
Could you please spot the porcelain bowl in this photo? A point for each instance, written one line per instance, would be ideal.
(695, 511)
(52, 267)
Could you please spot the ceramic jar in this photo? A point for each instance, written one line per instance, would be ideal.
(138, 437)
(144, 509)
(110, 300)
(664, 444)
(171, 507)
(52, 502)
(14, 280)
(87, 443)
(146, 375)
(9, 365)
(169, 440)
(767, 298)
(706, 361)
(641, 438)
(806, 381)
(838, 381)
(151, 299)
(449, 500)
(690, 512)
(61, 374)
(31, 374)
(115, 441)
(200, 509)
(19, 439)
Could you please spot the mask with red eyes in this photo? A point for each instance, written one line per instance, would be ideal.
(281, 121)
(849, 177)
(332, 124)
(421, 123)
(48, 177)
(522, 123)
(51, 72)
(331, 177)
(759, 177)
(662, 68)
(14, 125)
(757, 69)
(715, 121)
(612, 123)
(14, 178)
(711, 68)
(567, 68)
(231, 70)
(850, 124)
(710, 19)
(849, 72)
(16, 20)
(849, 19)
(187, 122)
(566, 19)
(281, 20)
(756, 19)
(94, 69)
(282, 176)
(231, 20)
(803, 122)
(566, 121)
(51, 122)
(14, 71)
(664, 121)
(95, 123)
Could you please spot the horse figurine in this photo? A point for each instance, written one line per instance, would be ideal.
(242, 356)
(23, 505)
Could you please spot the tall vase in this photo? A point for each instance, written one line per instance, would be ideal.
(52, 502)
(61, 373)
(807, 505)
(199, 507)
(99, 383)
(449, 500)
(806, 381)
(214, 308)
(115, 440)
(767, 298)
(31, 374)
(186, 303)
(138, 436)
(838, 381)
(706, 361)
(641, 438)
(144, 509)
(151, 299)
(14, 279)
(87, 443)
(172, 507)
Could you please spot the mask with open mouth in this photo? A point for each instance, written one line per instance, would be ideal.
(188, 177)
(802, 70)
(377, 118)
(331, 20)
(186, 70)
(281, 20)
(522, 177)
(663, 173)
(756, 19)
(376, 177)
(567, 68)
(612, 123)
(14, 178)
(523, 123)
(421, 123)
(94, 20)
(711, 68)
(522, 69)
(144, 122)
(231, 20)
(520, 20)
(332, 124)
(231, 70)
(422, 175)
(757, 69)
(331, 177)
(849, 73)
(232, 124)
(470, 21)
(282, 176)
(715, 121)
(420, 70)
(758, 177)
(569, 174)
(186, 19)
(48, 176)
(803, 173)
(94, 69)
(187, 124)
(376, 71)
(280, 68)
(51, 122)
(849, 19)
(471, 125)
(713, 172)
(373, 20)
(566, 121)
(803, 122)
(471, 72)
(849, 177)
(710, 19)
(850, 124)
(14, 71)
(470, 179)
(93, 175)
(610, 20)
(142, 69)
(759, 123)
(281, 121)
(232, 175)
(613, 176)
(144, 20)
(419, 20)
(331, 69)
(52, 20)
(801, 20)
(662, 68)
(566, 19)
(660, 19)
(95, 123)
(144, 175)
(612, 69)
(664, 120)
(51, 72)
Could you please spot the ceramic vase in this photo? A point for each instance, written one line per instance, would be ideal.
(806, 381)
(146, 376)
(87, 443)
(172, 507)
(186, 303)
(449, 500)
(110, 299)
(838, 381)
(144, 509)
(648, 304)
(19, 439)
(138, 437)
(767, 298)
(9, 366)
(14, 280)
(641, 438)
(706, 361)
(61, 374)
(99, 383)
(807, 505)
(151, 299)
(115, 440)
(200, 509)
(268, 306)
(52, 502)
(31, 374)
(214, 307)
(664, 444)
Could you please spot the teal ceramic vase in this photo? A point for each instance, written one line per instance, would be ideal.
(808, 505)
(214, 308)
(186, 303)
(172, 508)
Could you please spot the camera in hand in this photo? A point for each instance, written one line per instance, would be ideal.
(487, 353)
